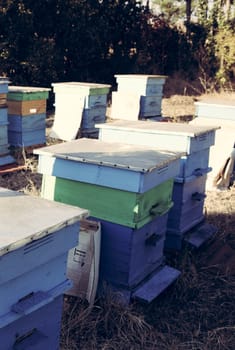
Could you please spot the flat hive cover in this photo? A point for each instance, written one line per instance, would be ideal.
(26, 218)
(216, 102)
(27, 89)
(118, 155)
(159, 128)
(75, 84)
(140, 76)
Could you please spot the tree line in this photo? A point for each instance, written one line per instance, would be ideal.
(49, 41)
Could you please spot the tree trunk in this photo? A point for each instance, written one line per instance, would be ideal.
(188, 11)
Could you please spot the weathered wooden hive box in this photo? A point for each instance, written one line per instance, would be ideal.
(78, 106)
(128, 188)
(27, 115)
(140, 94)
(124, 184)
(34, 243)
(195, 141)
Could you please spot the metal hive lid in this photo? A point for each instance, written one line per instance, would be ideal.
(183, 129)
(26, 218)
(118, 155)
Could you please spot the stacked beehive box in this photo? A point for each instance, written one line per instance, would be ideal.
(189, 184)
(222, 114)
(5, 157)
(35, 237)
(78, 107)
(27, 115)
(138, 96)
(128, 189)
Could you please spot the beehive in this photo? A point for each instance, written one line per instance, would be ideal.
(194, 140)
(125, 186)
(78, 106)
(125, 167)
(221, 114)
(27, 115)
(138, 96)
(34, 243)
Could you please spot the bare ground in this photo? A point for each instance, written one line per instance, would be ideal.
(195, 313)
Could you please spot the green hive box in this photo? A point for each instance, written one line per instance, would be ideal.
(25, 93)
(122, 207)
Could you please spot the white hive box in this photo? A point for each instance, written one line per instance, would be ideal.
(193, 140)
(70, 100)
(142, 84)
(218, 113)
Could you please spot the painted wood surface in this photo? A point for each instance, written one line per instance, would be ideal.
(4, 149)
(68, 116)
(185, 218)
(150, 106)
(81, 88)
(26, 107)
(93, 101)
(3, 116)
(27, 93)
(224, 144)
(190, 188)
(125, 105)
(158, 283)
(129, 255)
(3, 135)
(6, 158)
(4, 85)
(45, 218)
(27, 123)
(36, 254)
(224, 110)
(91, 116)
(140, 83)
(121, 207)
(40, 278)
(3, 100)
(148, 290)
(37, 330)
(196, 163)
(120, 166)
(180, 137)
(27, 138)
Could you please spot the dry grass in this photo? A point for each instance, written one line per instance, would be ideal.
(195, 313)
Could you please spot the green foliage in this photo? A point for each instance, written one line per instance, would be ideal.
(92, 40)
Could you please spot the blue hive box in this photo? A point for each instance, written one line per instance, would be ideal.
(35, 237)
(3, 116)
(27, 130)
(4, 85)
(128, 255)
(35, 331)
(118, 166)
(187, 211)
